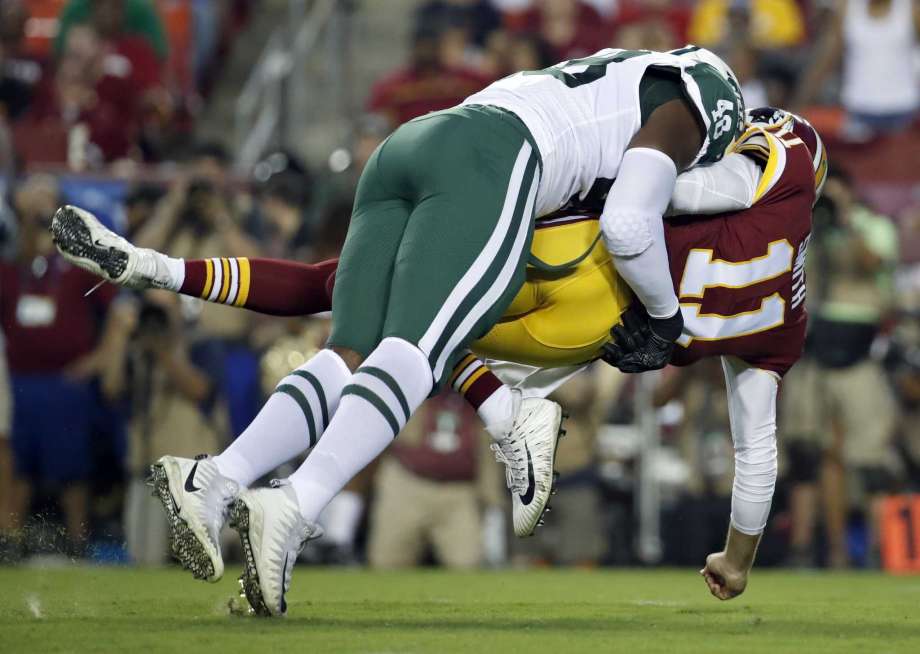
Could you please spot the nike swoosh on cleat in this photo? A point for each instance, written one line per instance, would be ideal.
(283, 574)
(172, 499)
(190, 480)
(527, 497)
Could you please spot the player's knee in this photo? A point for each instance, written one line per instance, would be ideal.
(351, 358)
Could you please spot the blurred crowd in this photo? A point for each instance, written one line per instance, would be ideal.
(98, 107)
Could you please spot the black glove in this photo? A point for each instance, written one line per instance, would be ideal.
(642, 343)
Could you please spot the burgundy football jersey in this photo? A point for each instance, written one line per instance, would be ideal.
(740, 277)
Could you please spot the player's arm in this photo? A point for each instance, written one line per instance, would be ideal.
(687, 118)
(728, 185)
(631, 222)
(752, 411)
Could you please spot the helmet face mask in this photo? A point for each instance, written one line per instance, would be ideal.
(781, 122)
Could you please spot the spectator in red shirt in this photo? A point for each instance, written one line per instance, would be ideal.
(90, 104)
(510, 52)
(53, 350)
(107, 18)
(658, 16)
(426, 84)
(571, 28)
(441, 461)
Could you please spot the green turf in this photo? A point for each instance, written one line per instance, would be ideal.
(120, 610)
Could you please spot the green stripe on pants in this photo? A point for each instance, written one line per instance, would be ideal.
(438, 239)
(496, 274)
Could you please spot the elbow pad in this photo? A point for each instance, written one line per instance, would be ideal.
(639, 195)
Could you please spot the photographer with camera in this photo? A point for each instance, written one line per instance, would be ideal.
(168, 381)
(839, 410)
(201, 216)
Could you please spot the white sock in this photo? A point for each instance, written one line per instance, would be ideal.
(341, 518)
(176, 268)
(164, 271)
(378, 400)
(499, 410)
(291, 421)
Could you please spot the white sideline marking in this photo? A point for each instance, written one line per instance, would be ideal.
(661, 603)
(35, 606)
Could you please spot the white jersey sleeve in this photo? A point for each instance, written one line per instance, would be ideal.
(727, 185)
(737, 182)
(752, 396)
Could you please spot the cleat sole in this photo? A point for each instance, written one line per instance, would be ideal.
(249, 580)
(74, 238)
(552, 489)
(183, 544)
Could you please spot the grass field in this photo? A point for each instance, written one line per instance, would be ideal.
(121, 610)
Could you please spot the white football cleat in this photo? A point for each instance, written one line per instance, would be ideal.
(90, 245)
(529, 454)
(196, 498)
(272, 532)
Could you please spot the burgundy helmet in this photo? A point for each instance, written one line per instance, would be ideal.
(780, 121)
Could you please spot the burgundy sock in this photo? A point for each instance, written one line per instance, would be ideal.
(272, 286)
(473, 379)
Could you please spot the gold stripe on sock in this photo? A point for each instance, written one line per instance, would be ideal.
(476, 375)
(245, 276)
(208, 278)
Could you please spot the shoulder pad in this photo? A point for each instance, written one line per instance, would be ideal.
(753, 144)
(770, 154)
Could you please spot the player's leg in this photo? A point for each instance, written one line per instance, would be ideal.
(459, 264)
(196, 493)
(495, 403)
(513, 421)
(271, 286)
(275, 287)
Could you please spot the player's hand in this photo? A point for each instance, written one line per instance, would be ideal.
(642, 343)
(725, 581)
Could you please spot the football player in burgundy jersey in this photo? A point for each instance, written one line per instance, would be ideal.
(738, 272)
(741, 283)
